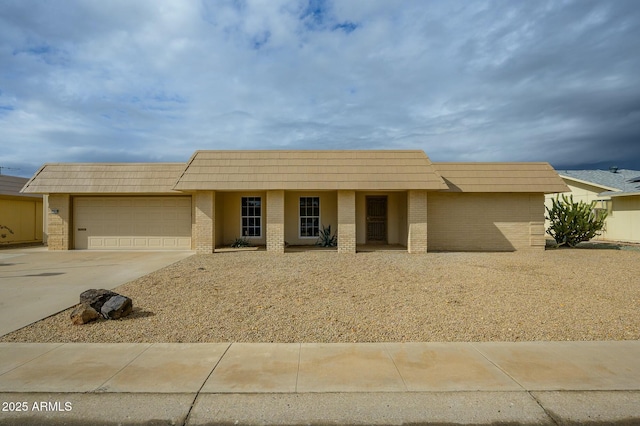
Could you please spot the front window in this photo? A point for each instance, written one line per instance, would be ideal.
(251, 216)
(309, 216)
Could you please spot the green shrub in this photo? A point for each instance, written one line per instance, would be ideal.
(572, 223)
(325, 239)
(240, 242)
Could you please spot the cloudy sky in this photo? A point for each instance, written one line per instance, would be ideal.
(154, 80)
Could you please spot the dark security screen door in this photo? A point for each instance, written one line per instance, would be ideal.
(377, 220)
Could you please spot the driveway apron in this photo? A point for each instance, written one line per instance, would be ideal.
(36, 283)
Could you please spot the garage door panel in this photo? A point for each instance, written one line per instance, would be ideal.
(130, 223)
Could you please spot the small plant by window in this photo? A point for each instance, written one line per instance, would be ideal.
(240, 242)
(325, 239)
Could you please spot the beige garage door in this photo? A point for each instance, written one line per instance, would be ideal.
(132, 223)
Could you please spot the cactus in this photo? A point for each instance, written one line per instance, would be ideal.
(573, 222)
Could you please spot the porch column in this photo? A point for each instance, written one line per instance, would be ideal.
(275, 221)
(417, 221)
(204, 229)
(346, 221)
(58, 222)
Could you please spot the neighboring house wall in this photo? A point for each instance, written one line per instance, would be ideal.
(623, 219)
(579, 191)
(623, 222)
(23, 216)
(485, 222)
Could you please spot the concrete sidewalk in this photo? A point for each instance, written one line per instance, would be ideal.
(378, 383)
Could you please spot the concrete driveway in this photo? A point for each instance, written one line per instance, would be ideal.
(36, 283)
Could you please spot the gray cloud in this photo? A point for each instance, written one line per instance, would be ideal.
(465, 81)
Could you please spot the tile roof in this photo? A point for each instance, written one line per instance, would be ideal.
(11, 185)
(501, 177)
(317, 170)
(122, 178)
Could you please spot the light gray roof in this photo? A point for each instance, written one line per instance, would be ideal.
(622, 181)
(11, 185)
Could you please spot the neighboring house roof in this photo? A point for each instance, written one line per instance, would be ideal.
(105, 178)
(501, 177)
(11, 185)
(309, 170)
(623, 182)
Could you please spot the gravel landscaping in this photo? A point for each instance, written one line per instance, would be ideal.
(389, 296)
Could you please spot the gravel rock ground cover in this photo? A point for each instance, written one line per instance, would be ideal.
(320, 296)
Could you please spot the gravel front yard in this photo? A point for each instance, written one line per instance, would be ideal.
(320, 296)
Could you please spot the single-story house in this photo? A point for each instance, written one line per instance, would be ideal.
(20, 214)
(274, 198)
(615, 190)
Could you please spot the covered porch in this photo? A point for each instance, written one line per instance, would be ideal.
(288, 220)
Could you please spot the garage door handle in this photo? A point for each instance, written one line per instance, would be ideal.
(82, 229)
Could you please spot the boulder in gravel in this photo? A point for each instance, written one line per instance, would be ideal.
(117, 307)
(83, 314)
(96, 297)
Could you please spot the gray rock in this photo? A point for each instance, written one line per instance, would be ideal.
(117, 307)
(83, 314)
(96, 297)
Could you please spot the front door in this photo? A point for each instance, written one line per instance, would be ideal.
(377, 220)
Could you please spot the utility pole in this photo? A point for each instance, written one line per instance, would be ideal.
(6, 168)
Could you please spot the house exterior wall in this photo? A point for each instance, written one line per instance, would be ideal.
(623, 221)
(275, 221)
(417, 218)
(485, 222)
(328, 214)
(346, 221)
(396, 216)
(23, 216)
(204, 219)
(231, 205)
(59, 224)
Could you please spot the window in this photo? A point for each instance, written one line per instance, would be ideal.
(251, 216)
(309, 216)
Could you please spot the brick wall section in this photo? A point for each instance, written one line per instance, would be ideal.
(204, 229)
(59, 224)
(486, 222)
(417, 221)
(346, 221)
(275, 221)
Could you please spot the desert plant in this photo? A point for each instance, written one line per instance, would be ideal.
(4, 231)
(240, 242)
(325, 239)
(572, 223)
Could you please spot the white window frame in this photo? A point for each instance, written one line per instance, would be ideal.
(242, 217)
(300, 217)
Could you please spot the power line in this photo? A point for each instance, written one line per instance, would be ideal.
(6, 168)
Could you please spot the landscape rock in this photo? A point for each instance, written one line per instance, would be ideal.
(117, 307)
(83, 314)
(96, 297)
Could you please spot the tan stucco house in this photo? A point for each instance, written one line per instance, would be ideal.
(615, 190)
(274, 198)
(20, 214)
